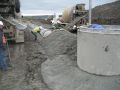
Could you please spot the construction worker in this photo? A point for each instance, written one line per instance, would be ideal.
(74, 29)
(38, 29)
(35, 31)
(3, 64)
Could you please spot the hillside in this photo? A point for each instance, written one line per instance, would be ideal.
(107, 13)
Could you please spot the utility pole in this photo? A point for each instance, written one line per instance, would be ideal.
(90, 12)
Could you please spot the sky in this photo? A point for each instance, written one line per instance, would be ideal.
(54, 5)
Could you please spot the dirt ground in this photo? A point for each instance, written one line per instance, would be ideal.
(50, 64)
(26, 60)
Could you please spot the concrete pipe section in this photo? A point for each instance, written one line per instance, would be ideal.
(99, 50)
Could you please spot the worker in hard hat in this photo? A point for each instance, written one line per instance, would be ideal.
(35, 31)
(42, 31)
(3, 64)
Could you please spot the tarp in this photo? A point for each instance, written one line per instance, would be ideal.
(96, 26)
(45, 32)
(19, 25)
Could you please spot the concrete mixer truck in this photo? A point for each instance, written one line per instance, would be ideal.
(11, 9)
(74, 16)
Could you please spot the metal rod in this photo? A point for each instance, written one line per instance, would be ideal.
(8, 52)
(90, 12)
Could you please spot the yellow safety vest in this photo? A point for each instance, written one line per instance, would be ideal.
(36, 29)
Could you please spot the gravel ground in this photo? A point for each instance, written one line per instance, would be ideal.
(50, 64)
(26, 62)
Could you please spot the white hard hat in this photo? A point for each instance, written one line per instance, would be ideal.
(1, 23)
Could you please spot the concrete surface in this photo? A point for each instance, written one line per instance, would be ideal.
(62, 73)
(99, 51)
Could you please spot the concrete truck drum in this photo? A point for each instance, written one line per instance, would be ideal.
(70, 13)
(67, 14)
(75, 15)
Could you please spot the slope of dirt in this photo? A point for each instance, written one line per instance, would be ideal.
(59, 43)
(107, 13)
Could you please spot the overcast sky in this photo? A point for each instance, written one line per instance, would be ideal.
(56, 4)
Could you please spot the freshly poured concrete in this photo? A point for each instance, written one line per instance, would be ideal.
(98, 52)
(62, 73)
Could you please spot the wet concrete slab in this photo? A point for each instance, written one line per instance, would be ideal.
(61, 73)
